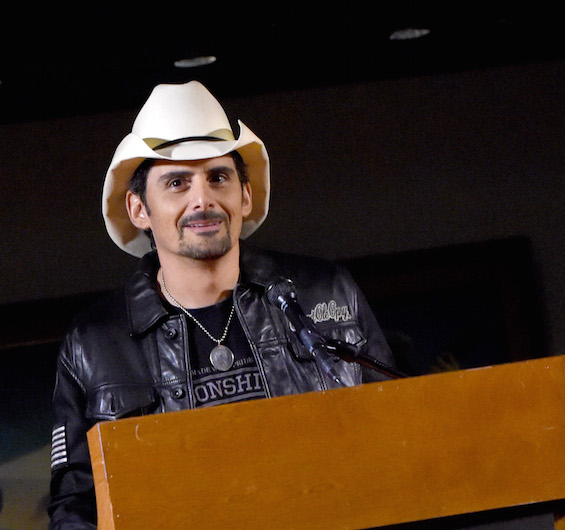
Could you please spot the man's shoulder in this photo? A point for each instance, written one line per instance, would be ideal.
(115, 309)
(266, 266)
(107, 310)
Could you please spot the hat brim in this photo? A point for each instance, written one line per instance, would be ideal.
(133, 150)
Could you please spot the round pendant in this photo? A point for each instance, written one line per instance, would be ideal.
(221, 358)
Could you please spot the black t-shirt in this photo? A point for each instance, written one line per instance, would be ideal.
(242, 381)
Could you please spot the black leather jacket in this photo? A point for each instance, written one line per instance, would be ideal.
(127, 356)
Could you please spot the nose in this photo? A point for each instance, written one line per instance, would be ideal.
(201, 196)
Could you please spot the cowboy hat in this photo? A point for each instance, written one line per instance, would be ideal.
(180, 122)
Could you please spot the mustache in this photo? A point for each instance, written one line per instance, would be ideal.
(201, 216)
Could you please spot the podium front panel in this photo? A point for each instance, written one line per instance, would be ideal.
(377, 454)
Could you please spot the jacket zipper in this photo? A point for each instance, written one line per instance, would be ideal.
(323, 383)
(187, 362)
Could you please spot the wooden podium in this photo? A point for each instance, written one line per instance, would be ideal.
(378, 454)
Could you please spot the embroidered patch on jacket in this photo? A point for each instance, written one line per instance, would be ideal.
(323, 312)
(59, 446)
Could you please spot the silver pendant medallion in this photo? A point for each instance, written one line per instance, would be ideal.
(221, 358)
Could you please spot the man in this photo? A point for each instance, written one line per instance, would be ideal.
(193, 326)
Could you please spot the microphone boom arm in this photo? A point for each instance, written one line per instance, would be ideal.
(347, 352)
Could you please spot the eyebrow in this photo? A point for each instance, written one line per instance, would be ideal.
(221, 169)
(188, 173)
(173, 174)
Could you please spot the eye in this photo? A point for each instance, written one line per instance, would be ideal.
(177, 183)
(219, 177)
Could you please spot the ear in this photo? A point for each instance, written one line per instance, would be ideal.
(247, 204)
(137, 211)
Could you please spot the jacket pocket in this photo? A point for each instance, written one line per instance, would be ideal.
(348, 332)
(112, 402)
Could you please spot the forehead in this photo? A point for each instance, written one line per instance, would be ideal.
(160, 167)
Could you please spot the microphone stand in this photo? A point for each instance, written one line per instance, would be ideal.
(347, 352)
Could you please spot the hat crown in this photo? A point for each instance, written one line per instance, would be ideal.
(180, 111)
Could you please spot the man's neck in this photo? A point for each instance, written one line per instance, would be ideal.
(199, 283)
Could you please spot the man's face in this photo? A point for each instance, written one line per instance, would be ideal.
(195, 209)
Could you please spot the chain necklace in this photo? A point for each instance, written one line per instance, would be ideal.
(221, 356)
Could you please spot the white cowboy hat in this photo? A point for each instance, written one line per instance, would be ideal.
(194, 126)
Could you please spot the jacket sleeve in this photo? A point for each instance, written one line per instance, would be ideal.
(73, 501)
(376, 346)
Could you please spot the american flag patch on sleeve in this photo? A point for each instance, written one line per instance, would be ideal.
(59, 446)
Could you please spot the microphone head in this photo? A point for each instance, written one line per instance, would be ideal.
(279, 290)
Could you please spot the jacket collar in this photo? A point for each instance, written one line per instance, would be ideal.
(258, 268)
(144, 303)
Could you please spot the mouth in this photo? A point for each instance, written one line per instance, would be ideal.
(202, 224)
(203, 228)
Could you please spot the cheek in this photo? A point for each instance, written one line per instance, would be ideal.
(164, 220)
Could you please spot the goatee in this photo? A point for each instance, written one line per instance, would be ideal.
(210, 245)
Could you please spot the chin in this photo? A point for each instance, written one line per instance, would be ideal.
(210, 250)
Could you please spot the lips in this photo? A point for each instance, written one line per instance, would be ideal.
(202, 222)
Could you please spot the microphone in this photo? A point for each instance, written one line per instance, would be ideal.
(282, 295)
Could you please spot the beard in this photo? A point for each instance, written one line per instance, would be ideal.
(209, 245)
